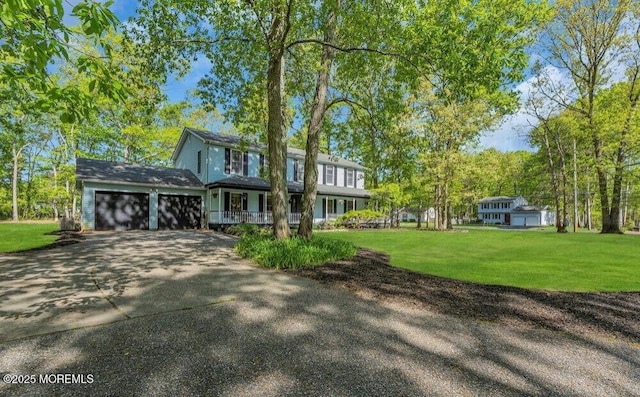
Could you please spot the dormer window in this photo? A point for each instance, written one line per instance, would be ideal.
(329, 175)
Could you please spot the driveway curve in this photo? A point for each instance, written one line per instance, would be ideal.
(178, 313)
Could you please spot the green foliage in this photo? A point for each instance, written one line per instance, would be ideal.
(294, 253)
(247, 229)
(24, 236)
(358, 218)
(585, 262)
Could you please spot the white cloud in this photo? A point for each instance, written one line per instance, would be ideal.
(512, 133)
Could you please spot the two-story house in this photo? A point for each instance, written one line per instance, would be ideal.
(218, 180)
(498, 209)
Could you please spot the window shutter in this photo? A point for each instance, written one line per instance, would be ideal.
(245, 199)
(324, 174)
(324, 207)
(227, 200)
(199, 167)
(344, 209)
(227, 162)
(345, 177)
(261, 202)
(245, 164)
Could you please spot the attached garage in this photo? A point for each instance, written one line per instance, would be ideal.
(121, 211)
(179, 212)
(120, 196)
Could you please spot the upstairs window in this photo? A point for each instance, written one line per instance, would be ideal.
(350, 178)
(298, 170)
(329, 175)
(236, 162)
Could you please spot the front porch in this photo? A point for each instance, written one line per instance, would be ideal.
(255, 217)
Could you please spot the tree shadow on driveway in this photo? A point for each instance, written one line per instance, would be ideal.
(262, 332)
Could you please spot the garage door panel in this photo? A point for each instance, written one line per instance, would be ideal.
(121, 211)
(179, 212)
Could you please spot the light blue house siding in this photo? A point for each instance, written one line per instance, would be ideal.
(89, 190)
(188, 156)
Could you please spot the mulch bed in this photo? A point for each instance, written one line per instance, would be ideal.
(609, 315)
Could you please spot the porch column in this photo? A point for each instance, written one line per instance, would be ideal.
(354, 205)
(219, 206)
(326, 208)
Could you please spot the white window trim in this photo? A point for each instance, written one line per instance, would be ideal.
(333, 175)
(352, 172)
(231, 170)
(299, 177)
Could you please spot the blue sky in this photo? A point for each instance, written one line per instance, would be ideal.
(509, 136)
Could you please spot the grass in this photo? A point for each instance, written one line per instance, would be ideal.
(583, 262)
(24, 236)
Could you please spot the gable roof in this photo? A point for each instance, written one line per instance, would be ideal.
(235, 141)
(498, 199)
(89, 170)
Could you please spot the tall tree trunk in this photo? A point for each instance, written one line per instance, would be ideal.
(575, 187)
(15, 152)
(588, 205)
(318, 108)
(554, 179)
(276, 128)
(563, 171)
(54, 202)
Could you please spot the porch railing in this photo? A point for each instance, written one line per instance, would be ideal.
(254, 217)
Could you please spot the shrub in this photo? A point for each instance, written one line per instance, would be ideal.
(326, 225)
(359, 218)
(243, 229)
(294, 253)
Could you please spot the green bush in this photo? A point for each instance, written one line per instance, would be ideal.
(294, 253)
(359, 218)
(243, 229)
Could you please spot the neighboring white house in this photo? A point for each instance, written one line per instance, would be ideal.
(498, 209)
(531, 215)
(217, 180)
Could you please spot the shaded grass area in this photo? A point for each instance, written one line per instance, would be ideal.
(24, 236)
(580, 262)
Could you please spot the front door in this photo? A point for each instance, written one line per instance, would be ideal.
(296, 204)
(507, 219)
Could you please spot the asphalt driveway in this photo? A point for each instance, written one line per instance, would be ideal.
(178, 313)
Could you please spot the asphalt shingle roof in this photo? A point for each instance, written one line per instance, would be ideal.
(110, 172)
(231, 140)
(253, 183)
(497, 199)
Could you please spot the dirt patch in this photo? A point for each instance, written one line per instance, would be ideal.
(611, 315)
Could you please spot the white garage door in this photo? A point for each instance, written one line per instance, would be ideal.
(517, 220)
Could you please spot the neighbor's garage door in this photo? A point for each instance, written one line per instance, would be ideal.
(533, 221)
(179, 212)
(122, 211)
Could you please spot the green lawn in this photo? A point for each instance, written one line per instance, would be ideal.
(539, 260)
(23, 236)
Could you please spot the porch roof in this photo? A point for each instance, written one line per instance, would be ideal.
(254, 183)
